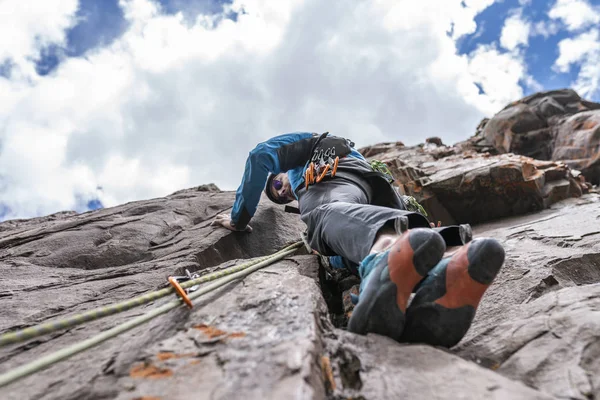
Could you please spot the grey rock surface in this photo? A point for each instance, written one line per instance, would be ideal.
(463, 186)
(555, 125)
(540, 322)
(375, 367)
(269, 335)
(67, 263)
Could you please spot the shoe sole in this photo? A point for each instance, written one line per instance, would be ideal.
(467, 278)
(443, 309)
(382, 304)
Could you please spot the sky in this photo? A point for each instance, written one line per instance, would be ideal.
(106, 102)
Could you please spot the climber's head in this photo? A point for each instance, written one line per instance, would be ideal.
(279, 189)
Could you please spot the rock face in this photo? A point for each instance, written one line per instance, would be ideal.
(455, 185)
(280, 332)
(67, 263)
(540, 322)
(539, 150)
(271, 334)
(556, 125)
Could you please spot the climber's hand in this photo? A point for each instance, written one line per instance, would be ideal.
(224, 220)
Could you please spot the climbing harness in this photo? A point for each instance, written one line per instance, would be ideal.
(227, 275)
(326, 154)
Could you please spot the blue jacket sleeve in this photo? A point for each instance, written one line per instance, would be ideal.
(272, 156)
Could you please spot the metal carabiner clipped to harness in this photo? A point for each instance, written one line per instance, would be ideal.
(317, 174)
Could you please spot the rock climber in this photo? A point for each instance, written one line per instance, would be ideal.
(353, 211)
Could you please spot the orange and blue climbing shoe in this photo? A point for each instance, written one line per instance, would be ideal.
(388, 279)
(445, 302)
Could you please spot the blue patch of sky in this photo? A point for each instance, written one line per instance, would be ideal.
(192, 8)
(480, 88)
(540, 57)
(94, 204)
(4, 211)
(5, 69)
(541, 52)
(98, 24)
(49, 58)
(84, 204)
(101, 22)
(489, 25)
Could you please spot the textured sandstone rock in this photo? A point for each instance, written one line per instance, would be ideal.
(556, 125)
(577, 143)
(457, 186)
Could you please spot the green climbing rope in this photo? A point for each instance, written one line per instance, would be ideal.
(92, 315)
(46, 361)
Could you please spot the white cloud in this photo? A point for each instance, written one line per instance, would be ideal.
(545, 28)
(575, 14)
(582, 50)
(26, 28)
(515, 31)
(172, 104)
(498, 73)
(575, 50)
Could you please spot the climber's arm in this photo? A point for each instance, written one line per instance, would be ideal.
(276, 155)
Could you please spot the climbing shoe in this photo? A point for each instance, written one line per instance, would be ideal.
(444, 305)
(388, 279)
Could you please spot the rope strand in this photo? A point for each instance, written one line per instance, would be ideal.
(50, 359)
(92, 315)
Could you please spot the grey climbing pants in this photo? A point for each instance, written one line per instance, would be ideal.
(340, 219)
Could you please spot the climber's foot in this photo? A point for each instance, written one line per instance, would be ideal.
(389, 278)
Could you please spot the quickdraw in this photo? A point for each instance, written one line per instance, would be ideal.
(325, 158)
(315, 174)
(180, 291)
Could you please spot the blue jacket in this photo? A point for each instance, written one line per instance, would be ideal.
(289, 153)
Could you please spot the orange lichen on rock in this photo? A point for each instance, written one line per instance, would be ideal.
(213, 332)
(589, 124)
(167, 355)
(209, 331)
(145, 370)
